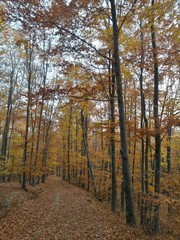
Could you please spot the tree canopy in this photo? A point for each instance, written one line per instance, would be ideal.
(90, 90)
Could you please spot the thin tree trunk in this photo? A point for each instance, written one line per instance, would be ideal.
(47, 130)
(29, 69)
(4, 146)
(144, 125)
(63, 161)
(135, 142)
(156, 124)
(169, 133)
(45, 151)
(32, 147)
(168, 150)
(112, 141)
(90, 172)
(69, 143)
(45, 70)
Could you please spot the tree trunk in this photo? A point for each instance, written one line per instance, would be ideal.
(38, 143)
(7, 123)
(144, 142)
(45, 151)
(112, 141)
(84, 133)
(47, 130)
(33, 127)
(130, 213)
(156, 124)
(29, 62)
(168, 150)
(69, 143)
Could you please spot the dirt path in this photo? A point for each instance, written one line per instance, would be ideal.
(62, 212)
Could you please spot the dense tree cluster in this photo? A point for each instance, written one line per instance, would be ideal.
(90, 89)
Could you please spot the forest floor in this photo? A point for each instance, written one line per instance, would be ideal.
(58, 210)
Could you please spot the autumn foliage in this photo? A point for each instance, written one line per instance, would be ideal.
(60, 101)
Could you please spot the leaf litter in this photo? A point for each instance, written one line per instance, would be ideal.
(58, 210)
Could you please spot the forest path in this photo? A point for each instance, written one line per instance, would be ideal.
(63, 211)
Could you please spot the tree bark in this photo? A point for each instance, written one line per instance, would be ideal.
(85, 143)
(29, 69)
(69, 143)
(130, 213)
(156, 124)
(112, 140)
(4, 145)
(144, 125)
